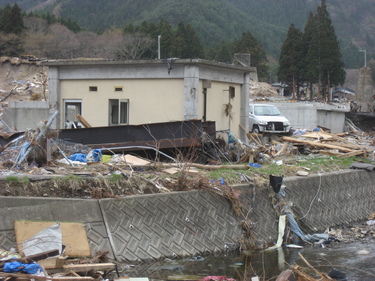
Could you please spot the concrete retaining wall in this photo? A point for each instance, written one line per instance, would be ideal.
(25, 115)
(318, 201)
(196, 222)
(310, 115)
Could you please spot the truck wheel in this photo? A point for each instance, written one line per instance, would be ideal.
(255, 129)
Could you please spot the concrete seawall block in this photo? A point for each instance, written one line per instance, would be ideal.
(53, 209)
(177, 224)
(169, 225)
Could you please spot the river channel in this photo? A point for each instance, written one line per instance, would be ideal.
(356, 260)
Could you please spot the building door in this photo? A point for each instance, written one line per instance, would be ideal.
(72, 108)
(118, 112)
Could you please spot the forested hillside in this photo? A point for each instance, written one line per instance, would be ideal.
(218, 21)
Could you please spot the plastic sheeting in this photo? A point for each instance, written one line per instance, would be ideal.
(48, 239)
(93, 156)
(15, 266)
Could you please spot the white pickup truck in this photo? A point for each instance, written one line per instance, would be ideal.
(267, 118)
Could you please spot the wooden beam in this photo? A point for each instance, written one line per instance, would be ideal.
(84, 267)
(353, 153)
(283, 149)
(83, 121)
(251, 136)
(71, 278)
(317, 144)
(331, 153)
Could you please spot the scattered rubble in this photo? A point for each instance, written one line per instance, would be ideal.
(22, 80)
(261, 89)
(35, 158)
(51, 254)
(32, 157)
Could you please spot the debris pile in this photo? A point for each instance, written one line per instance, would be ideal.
(27, 81)
(46, 251)
(261, 89)
(41, 153)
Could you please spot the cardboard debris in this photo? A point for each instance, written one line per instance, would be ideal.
(73, 235)
(133, 160)
(171, 171)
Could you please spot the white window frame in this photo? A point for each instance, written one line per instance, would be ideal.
(71, 123)
(118, 115)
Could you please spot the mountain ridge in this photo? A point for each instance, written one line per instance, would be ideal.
(217, 21)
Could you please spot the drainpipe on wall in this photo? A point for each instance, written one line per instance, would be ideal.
(159, 47)
(204, 104)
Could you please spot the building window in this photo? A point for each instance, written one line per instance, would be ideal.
(118, 112)
(71, 110)
(118, 89)
(232, 92)
(93, 88)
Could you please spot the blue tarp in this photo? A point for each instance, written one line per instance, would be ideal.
(15, 266)
(78, 157)
(93, 156)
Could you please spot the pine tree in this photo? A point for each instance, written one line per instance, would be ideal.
(249, 44)
(166, 33)
(311, 64)
(185, 43)
(291, 65)
(15, 21)
(323, 56)
(194, 45)
(223, 52)
(178, 44)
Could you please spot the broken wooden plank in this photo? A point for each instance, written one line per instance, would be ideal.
(83, 121)
(353, 153)
(171, 171)
(218, 167)
(318, 135)
(344, 144)
(252, 136)
(283, 149)
(83, 267)
(285, 275)
(71, 278)
(23, 276)
(323, 276)
(316, 144)
(330, 153)
(56, 262)
(134, 160)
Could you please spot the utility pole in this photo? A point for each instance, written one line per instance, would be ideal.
(159, 47)
(364, 51)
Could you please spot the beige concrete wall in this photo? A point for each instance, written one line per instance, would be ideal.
(157, 102)
(217, 99)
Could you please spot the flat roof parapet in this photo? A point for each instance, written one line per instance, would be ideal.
(93, 61)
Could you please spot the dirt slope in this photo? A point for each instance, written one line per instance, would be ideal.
(22, 80)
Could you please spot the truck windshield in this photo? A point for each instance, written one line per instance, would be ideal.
(266, 111)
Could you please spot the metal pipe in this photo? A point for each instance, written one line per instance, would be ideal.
(364, 51)
(40, 135)
(140, 146)
(159, 47)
